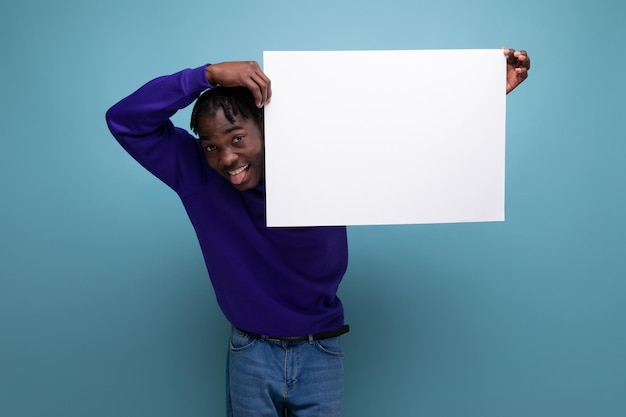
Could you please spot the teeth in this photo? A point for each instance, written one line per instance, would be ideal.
(238, 170)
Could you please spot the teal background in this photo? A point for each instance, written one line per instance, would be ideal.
(105, 306)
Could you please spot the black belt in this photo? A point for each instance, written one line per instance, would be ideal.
(317, 336)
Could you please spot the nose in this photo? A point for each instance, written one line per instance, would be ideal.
(228, 157)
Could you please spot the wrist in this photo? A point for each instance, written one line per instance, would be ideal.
(208, 74)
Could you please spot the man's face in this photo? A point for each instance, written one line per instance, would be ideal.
(234, 150)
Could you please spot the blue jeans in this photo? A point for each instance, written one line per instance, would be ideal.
(268, 378)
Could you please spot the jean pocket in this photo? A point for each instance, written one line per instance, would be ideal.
(331, 346)
(240, 341)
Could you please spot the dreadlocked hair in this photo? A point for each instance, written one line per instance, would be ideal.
(232, 100)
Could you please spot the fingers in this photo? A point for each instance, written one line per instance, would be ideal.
(518, 64)
(523, 58)
(242, 74)
(517, 59)
(520, 59)
(261, 88)
(253, 78)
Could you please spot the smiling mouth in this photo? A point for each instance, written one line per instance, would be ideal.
(238, 175)
(238, 170)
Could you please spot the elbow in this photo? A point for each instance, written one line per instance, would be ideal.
(112, 120)
(118, 121)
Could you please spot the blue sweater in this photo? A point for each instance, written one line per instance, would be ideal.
(273, 281)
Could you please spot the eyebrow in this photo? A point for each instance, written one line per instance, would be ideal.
(232, 128)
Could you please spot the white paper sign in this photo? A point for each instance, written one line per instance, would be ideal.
(385, 137)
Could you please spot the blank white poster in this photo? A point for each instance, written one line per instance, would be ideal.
(385, 137)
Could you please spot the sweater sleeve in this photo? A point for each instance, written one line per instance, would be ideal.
(141, 124)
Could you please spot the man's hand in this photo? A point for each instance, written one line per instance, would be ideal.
(517, 66)
(242, 74)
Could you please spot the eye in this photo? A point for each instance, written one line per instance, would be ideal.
(210, 148)
(238, 139)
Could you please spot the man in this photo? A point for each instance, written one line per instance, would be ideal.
(276, 286)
